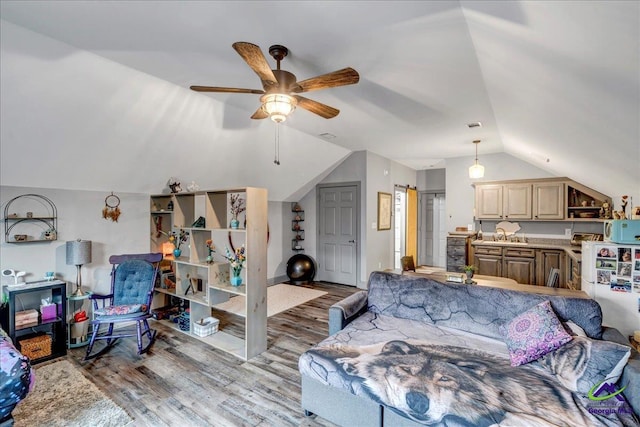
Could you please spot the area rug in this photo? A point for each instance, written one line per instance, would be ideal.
(280, 297)
(64, 397)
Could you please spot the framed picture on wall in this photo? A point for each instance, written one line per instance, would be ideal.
(384, 211)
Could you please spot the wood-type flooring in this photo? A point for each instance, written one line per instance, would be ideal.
(184, 382)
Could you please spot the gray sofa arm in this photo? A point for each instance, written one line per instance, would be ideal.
(631, 379)
(612, 334)
(343, 312)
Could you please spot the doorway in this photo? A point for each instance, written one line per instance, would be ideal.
(405, 224)
(432, 235)
(338, 233)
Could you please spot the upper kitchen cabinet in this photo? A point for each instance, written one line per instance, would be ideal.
(489, 201)
(550, 199)
(503, 201)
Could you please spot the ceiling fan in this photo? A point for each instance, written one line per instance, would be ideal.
(280, 88)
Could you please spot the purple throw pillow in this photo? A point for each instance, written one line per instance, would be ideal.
(533, 334)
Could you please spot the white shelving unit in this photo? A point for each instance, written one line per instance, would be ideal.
(214, 277)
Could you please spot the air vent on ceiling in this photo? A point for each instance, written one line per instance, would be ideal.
(474, 125)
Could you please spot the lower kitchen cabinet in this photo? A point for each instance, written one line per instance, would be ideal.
(488, 260)
(522, 270)
(546, 259)
(525, 265)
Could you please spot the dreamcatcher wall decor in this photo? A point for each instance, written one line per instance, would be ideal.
(111, 208)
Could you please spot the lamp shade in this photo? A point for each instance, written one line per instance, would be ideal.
(79, 252)
(278, 106)
(476, 171)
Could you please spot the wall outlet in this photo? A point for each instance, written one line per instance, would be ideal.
(567, 232)
(379, 265)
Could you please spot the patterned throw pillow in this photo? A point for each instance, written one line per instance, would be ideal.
(533, 334)
(118, 310)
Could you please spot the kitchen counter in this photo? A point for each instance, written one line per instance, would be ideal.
(575, 252)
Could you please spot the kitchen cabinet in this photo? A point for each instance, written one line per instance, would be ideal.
(503, 201)
(525, 265)
(546, 259)
(548, 200)
(489, 201)
(519, 264)
(488, 260)
(517, 201)
(459, 251)
(545, 199)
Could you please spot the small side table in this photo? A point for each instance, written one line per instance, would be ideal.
(78, 333)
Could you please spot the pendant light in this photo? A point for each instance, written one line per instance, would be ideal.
(476, 170)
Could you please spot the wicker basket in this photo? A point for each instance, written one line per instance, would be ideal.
(36, 347)
(208, 326)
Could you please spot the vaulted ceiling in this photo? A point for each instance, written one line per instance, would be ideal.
(554, 83)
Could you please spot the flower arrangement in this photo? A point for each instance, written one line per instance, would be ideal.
(237, 205)
(469, 268)
(211, 248)
(236, 258)
(178, 238)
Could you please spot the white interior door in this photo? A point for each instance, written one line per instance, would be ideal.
(432, 230)
(338, 233)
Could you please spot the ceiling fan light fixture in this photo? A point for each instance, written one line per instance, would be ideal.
(278, 106)
(476, 170)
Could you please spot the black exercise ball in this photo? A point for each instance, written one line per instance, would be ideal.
(301, 268)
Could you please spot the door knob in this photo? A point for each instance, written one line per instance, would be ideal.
(352, 241)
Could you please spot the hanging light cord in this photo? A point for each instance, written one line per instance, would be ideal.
(276, 159)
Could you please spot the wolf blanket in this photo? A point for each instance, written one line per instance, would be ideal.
(445, 385)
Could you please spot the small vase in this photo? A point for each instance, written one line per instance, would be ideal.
(236, 279)
(469, 277)
(177, 252)
(209, 259)
(235, 223)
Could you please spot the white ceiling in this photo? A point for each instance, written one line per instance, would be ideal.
(548, 80)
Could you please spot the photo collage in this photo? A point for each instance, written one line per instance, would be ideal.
(619, 268)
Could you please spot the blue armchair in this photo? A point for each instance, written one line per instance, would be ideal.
(132, 281)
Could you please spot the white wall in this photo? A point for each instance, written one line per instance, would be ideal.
(80, 216)
(431, 180)
(374, 173)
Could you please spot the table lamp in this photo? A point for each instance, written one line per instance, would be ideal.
(78, 254)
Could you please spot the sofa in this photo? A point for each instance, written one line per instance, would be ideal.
(16, 378)
(412, 351)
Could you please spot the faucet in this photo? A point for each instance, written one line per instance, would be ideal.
(504, 233)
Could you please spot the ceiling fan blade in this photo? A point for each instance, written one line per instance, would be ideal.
(346, 76)
(254, 57)
(226, 89)
(260, 114)
(317, 107)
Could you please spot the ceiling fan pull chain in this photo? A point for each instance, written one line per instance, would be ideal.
(277, 146)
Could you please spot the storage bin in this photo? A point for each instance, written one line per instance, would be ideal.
(36, 347)
(205, 327)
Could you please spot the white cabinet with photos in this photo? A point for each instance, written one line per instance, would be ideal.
(202, 275)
